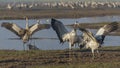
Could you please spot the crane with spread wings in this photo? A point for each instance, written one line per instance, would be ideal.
(25, 34)
(64, 35)
(95, 41)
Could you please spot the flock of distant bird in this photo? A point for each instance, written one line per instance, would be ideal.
(87, 39)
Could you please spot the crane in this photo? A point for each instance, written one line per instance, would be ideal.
(25, 34)
(95, 41)
(64, 36)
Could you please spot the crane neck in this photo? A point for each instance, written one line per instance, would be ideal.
(74, 31)
(27, 24)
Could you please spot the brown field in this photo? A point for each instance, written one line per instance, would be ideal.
(56, 13)
(56, 58)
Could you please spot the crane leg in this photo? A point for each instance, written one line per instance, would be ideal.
(98, 53)
(24, 46)
(93, 56)
(69, 55)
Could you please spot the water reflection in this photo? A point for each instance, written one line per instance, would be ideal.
(52, 44)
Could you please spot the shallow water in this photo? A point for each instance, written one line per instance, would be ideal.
(52, 44)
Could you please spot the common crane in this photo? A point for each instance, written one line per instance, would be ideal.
(94, 42)
(63, 34)
(25, 34)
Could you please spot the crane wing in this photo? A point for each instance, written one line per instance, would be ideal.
(107, 28)
(59, 28)
(36, 27)
(13, 28)
(35, 38)
(87, 35)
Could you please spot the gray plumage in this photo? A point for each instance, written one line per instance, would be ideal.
(59, 28)
(24, 34)
(105, 30)
(63, 34)
(94, 42)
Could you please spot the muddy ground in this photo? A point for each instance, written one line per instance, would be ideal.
(22, 59)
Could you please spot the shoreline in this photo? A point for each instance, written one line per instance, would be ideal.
(56, 13)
